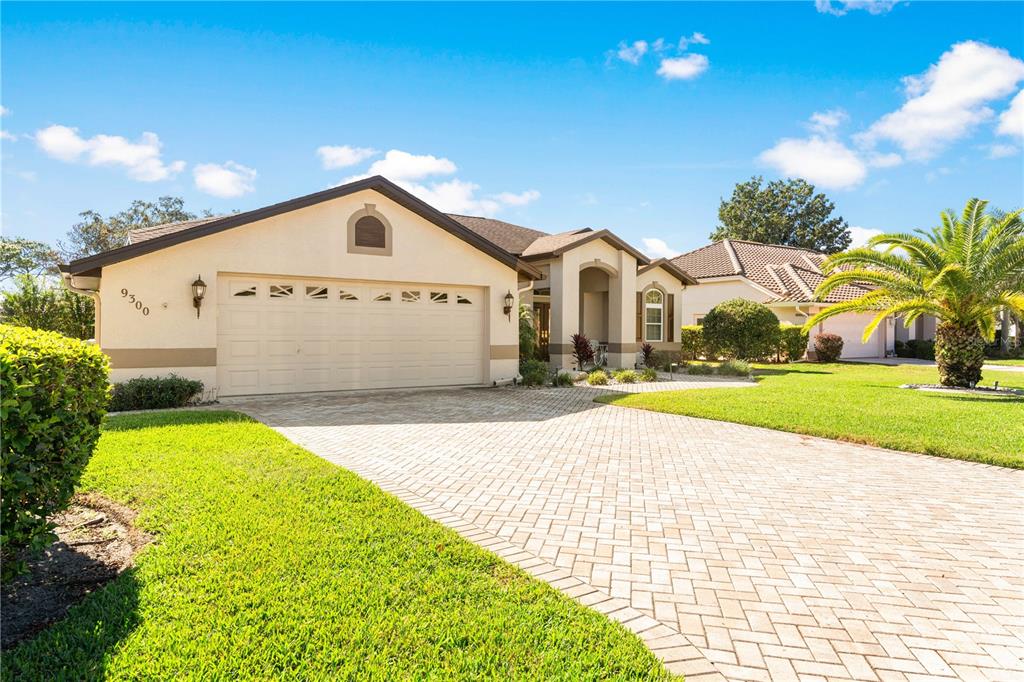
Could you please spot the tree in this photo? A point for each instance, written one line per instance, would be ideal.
(94, 233)
(741, 329)
(786, 212)
(964, 272)
(20, 256)
(42, 303)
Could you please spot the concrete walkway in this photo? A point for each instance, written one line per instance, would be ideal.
(734, 552)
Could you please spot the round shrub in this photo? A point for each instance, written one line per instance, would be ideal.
(741, 329)
(734, 368)
(54, 393)
(828, 347)
(154, 393)
(597, 378)
(534, 372)
(649, 374)
(792, 341)
(626, 376)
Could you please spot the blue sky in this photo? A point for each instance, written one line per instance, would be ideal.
(554, 116)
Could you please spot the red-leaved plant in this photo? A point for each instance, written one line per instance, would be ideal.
(648, 352)
(581, 350)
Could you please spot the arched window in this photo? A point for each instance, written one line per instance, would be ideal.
(654, 315)
(370, 232)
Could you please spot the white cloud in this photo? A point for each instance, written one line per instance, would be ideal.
(658, 248)
(229, 179)
(826, 122)
(876, 160)
(632, 53)
(343, 156)
(861, 235)
(10, 137)
(949, 100)
(696, 38)
(399, 166)
(412, 172)
(683, 68)
(819, 160)
(841, 8)
(142, 159)
(1011, 121)
(1001, 151)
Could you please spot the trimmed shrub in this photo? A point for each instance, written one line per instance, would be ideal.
(626, 376)
(692, 338)
(648, 374)
(734, 368)
(664, 359)
(828, 347)
(527, 335)
(155, 393)
(647, 351)
(533, 372)
(562, 379)
(741, 329)
(700, 368)
(597, 378)
(792, 341)
(54, 392)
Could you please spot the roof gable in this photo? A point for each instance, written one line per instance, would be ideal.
(197, 229)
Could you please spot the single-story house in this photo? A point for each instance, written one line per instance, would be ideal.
(366, 286)
(783, 278)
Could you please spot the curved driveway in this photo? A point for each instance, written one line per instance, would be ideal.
(735, 552)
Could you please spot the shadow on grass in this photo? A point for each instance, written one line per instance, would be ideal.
(158, 418)
(760, 371)
(79, 646)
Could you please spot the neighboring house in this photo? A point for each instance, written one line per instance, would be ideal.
(783, 278)
(365, 286)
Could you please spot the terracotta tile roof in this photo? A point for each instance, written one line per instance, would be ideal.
(790, 273)
(513, 238)
(144, 233)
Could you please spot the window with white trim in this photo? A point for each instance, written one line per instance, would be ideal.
(654, 315)
(281, 291)
(316, 293)
(410, 297)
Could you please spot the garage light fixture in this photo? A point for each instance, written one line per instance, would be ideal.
(509, 300)
(198, 291)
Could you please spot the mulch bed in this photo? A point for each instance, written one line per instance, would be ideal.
(977, 390)
(96, 542)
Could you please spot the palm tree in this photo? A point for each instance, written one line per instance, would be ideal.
(963, 272)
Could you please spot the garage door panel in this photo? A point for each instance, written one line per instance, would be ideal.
(277, 335)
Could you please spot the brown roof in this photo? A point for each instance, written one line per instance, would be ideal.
(143, 233)
(669, 267)
(513, 238)
(172, 235)
(790, 273)
(550, 243)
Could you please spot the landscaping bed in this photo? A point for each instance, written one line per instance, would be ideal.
(272, 563)
(863, 403)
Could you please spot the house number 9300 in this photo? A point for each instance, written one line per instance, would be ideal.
(134, 301)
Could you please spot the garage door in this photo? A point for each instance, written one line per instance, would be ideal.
(851, 326)
(280, 335)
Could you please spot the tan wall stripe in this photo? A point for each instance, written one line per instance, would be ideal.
(623, 347)
(505, 352)
(138, 358)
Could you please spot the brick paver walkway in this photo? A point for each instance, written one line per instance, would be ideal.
(735, 552)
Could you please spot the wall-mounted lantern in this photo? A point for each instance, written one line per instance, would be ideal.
(509, 300)
(198, 291)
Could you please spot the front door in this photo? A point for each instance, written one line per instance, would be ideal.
(542, 320)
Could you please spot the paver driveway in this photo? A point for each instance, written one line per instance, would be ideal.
(775, 556)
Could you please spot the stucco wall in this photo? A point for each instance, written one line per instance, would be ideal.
(670, 285)
(309, 242)
(706, 295)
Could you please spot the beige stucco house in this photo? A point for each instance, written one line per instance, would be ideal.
(783, 278)
(366, 286)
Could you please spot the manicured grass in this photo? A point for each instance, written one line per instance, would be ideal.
(863, 403)
(271, 563)
(1015, 362)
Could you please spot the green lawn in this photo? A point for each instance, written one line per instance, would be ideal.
(1018, 362)
(862, 403)
(273, 564)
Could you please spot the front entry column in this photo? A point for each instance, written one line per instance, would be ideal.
(565, 310)
(622, 344)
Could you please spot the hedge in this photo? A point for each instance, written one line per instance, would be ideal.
(792, 341)
(154, 393)
(692, 338)
(54, 395)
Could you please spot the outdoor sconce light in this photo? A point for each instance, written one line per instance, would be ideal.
(509, 300)
(198, 291)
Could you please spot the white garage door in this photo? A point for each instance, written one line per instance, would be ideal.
(851, 326)
(281, 335)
